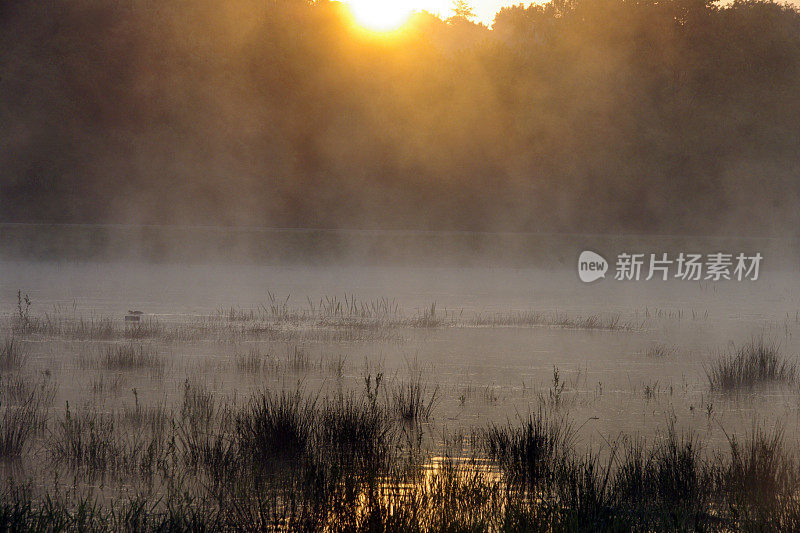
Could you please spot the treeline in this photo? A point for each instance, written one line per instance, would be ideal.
(673, 116)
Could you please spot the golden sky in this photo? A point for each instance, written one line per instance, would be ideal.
(383, 12)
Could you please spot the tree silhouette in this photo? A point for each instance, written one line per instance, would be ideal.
(461, 8)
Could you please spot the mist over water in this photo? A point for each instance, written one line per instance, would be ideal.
(594, 116)
(264, 269)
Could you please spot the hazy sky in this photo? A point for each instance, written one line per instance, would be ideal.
(484, 9)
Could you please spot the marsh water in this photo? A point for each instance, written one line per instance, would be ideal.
(646, 370)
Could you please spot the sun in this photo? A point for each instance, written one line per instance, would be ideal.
(380, 15)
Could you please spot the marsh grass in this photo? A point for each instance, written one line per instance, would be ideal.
(758, 362)
(759, 481)
(67, 323)
(490, 394)
(62, 323)
(659, 351)
(155, 418)
(102, 385)
(350, 461)
(19, 511)
(415, 399)
(12, 355)
(584, 493)
(529, 453)
(337, 366)
(150, 328)
(352, 313)
(85, 440)
(205, 433)
(292, 461)
(24, 406)
(350, 306)
(297, 360)
(556, 319)
(131, 356)
(456, 494)
(277, 426)
(666, 484)
(355, 432)
(555, 398)
(250, 363)
(97, 443)
(427, 318)
(331, 320)
(330, 311)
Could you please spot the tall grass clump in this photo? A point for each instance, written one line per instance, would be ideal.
(584, 494)
(413, 399)
(666, 486)
(355, 432)
(659, 351)
(756, 363)
(529, 454)
(131, 356)
(758, 480)
(277, 426)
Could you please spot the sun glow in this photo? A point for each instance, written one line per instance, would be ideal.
(380, 15)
